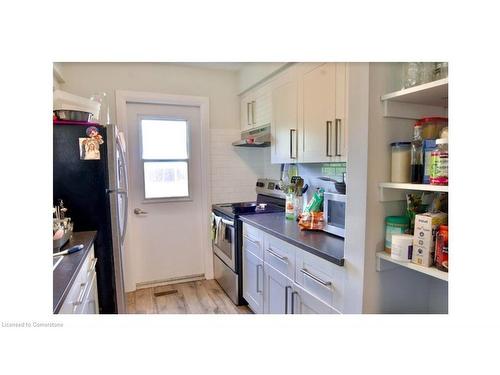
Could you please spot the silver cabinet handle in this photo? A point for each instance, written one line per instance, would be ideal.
(139, 211)
(248, 113)
(92, 266)
(253, 112)
(258, 289)
(252, 241)
(291, 143)
(338, 124)
(286, 298)
(293, 301)
(315, 278)
(280, 257)
(328, 126)
(80, 296)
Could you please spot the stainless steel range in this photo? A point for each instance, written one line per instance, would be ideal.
(227, 244)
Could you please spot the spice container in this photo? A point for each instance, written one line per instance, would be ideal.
(441, 254)
(432, 126)
(394, 225)
(429, 147)
(439, 163)
(416, 155)
(290, 206)
(400, 162)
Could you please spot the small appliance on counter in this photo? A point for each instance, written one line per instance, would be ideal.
(62, 227)
(334, 213)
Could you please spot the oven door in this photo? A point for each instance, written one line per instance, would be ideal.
(224, 244)
(334, 213)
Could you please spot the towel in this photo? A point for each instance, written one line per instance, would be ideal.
(215, 227)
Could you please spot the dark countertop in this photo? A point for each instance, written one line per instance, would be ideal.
(65, 273)
(322, 244)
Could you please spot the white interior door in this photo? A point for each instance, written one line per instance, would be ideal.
(165, 196)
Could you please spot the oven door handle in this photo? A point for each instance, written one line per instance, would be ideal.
(228, 222)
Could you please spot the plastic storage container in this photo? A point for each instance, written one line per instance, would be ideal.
(402, 247)
(432, 126)
(400, 161)
(439, 163)
(394, 225)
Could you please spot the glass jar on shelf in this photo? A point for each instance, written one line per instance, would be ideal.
(426, 72)
(411, 74)
(440, 70)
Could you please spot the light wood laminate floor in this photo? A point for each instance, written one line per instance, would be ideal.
(196, 297)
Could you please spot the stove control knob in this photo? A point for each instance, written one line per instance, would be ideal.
(260, 184)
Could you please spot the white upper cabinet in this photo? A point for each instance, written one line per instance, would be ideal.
(284, 125)
(255, 108)
(309, 107)
(317, 95)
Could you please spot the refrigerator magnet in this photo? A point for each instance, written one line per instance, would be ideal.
(89, 147)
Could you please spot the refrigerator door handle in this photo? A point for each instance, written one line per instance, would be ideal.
(125, 180)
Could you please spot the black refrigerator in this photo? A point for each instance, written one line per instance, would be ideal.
(90, 176)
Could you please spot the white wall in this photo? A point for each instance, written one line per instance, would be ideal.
(234, 171)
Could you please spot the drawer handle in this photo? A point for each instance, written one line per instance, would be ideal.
(315, 278)
(80, 296)
(252, 241)
(92, 265)
(280, 257)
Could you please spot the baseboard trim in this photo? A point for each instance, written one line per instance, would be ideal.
(173, 280)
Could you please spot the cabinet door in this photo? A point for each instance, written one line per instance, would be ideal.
(261, 106)
(90, 304)
(284, 126)
(246, 112)
(317, 97)
(340, 125)
(253, 281)
(305, 303)
(277, 291)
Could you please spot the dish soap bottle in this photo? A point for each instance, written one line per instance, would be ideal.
(416, 155)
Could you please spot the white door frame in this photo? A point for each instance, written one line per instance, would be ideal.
(123, 97)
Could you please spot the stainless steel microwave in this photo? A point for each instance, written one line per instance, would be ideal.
(334, 213)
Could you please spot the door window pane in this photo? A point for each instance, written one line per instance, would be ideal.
(164, 139)
(166, 179)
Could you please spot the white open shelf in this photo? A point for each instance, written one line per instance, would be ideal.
(432, 93)
(393, 191)
(431, 271)
(426, 100)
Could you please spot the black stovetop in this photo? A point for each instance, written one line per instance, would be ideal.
(240, 208)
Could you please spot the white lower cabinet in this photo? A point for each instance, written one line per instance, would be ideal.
(304, 302)
(288, 280)
(82, 298)
(253, 277)
(277, 291)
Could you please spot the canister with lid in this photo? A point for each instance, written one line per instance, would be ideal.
(394, 225)
(431, 126)
(400, 162)
(402, 247)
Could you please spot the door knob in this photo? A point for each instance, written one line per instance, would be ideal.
(139, 211)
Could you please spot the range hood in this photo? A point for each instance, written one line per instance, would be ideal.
(260, 137)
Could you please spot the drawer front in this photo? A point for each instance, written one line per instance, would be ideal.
(81, 286)
(83, 307)
(322, 279)
(252, 240)
(280, 255)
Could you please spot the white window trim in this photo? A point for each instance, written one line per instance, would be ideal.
(122, 97)
(186, 198)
